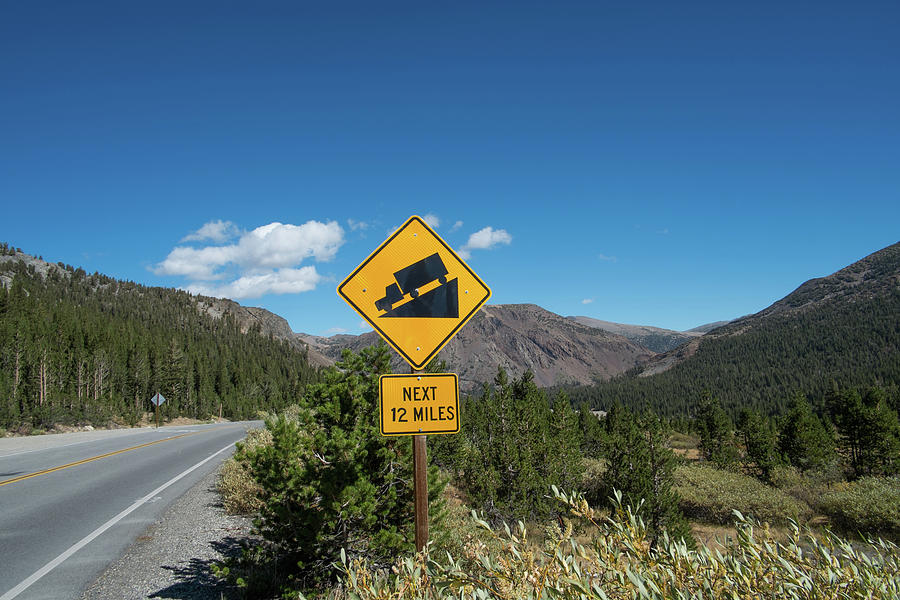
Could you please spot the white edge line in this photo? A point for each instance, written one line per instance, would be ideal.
(34, 577)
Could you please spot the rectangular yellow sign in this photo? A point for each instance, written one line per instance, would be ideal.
(419, 404)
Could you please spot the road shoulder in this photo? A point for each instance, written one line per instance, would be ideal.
(172, 558)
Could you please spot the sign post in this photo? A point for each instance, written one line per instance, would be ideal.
(157, 400)
(420, 490)
(416, 292)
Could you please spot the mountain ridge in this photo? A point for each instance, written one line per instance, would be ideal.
(656, 339)
(839, 330)
(517, 337)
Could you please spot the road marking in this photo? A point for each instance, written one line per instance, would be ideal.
(125, 432)
(34, 577)
(47, 448)
(93, 458)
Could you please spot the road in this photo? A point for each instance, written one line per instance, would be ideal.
(70, 504)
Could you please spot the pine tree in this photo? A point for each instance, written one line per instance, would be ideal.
(716, 432)
(515, 447)
(332, 482)
(760, 443)
(803, 439)
(869, 430)
(641, 466)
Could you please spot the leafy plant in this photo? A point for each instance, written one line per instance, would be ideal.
(619, 563)
(710, 494)
(329, 480)
(868, 506)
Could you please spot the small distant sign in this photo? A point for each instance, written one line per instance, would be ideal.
(157, 399)
(419, 404)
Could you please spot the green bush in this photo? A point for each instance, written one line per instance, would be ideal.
(870, 506)
(329, 480)
(619, 563)
(683, 441)
(806, 487)
(710, 494)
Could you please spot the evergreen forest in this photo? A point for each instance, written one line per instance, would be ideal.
(80, 348)
(846, 343)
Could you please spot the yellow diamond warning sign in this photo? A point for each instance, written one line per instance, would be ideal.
(419, 404)
(415, 291)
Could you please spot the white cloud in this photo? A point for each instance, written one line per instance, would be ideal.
(357, 225)
(484, 239)
(262, 261)
(607, 258)
(335, 330)
(216, 231)
(456, 226)
(196, 263)
(432, 221)
(365, 325)
(280, 281)
(587, 301)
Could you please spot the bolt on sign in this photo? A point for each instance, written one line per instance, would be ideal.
(419, 404)
(415, 291)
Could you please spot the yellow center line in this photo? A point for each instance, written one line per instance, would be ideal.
(93, 458)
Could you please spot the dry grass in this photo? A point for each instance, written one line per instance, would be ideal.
(241, 494)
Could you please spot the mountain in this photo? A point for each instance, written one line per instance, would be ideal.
(707, 327)
(79, 347)
(263, 321)
(843, 328)
(518, 337)
(653, 338)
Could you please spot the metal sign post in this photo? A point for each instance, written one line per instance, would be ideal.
(157, 400)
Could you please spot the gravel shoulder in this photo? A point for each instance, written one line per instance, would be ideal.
(172, 558)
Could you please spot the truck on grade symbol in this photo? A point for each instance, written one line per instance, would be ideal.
(410, 279)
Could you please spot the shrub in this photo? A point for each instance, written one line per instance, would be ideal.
(870, 506)
(710, 494)
(330, 481)
(683, 441)
(620, 564)
(806, 487)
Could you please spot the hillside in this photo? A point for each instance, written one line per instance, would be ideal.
(844, 328)
(89, 348)
(652, 338)
(519, 337)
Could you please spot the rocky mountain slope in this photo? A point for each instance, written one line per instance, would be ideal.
(708, 327)
(652, 338)
(267, 322)
(518, 337)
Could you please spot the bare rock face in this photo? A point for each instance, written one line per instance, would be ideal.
(518, 337)
(522, 337)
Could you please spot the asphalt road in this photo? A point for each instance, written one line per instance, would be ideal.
(71, 504)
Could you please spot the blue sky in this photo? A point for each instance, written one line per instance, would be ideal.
(656, 163)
